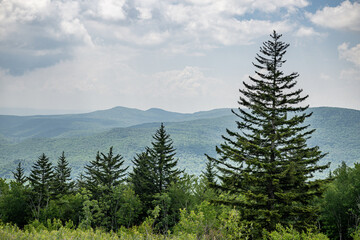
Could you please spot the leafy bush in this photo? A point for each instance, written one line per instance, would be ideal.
(289, 233)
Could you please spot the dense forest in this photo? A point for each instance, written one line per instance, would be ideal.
(260, 184)
(154, 201)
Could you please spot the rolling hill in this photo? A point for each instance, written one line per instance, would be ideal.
(337, 132)
(19, 128)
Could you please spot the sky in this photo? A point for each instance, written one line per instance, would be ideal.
(183, 56)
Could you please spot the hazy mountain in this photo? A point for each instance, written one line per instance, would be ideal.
(19, 128)
(337, 132)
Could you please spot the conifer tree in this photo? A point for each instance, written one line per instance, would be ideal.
(102, 176)
(19, 174)
(142, 177)
(210, 174)
(90, 180)
(164, 164)
(62, 183)
(112, 172)
(105, 172)
(40, 180)
(268, 161)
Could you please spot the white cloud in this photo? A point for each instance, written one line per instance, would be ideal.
(145, 13)
(350, 75)
(111, 9)
(13, 12)
(187, 82)
(271, 6)
(188, 27)
(187, 89)
(346, 16)
(100, 77)
(148, 38)
(350, 54)
(215, 23)
(325, 76)
(192, 20)
(29, 20)
(306, 32)
(75, 28)
(94, 78)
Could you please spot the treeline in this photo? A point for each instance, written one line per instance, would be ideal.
(155, 198)
(105, 195)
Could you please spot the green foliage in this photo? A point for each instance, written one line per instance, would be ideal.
(191, 226)
(340, 207)
(92, 213)
(14, 199)
(231, 226)
(130, 206)
(66, 208)
(165, 219)
(356, 234)
(200, 222)
(289, 233)
(208, 221)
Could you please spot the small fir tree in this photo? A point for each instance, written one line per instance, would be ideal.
(111, 172)
(164, 164)
(210, 173)
(62, 183)
(40, 180)
(103, 175)
(268, 162)
(142, 177)
(19, 175)
(90, 180)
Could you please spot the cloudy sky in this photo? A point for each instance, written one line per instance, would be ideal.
(179, 55)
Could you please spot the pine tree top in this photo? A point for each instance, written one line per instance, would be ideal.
(19, 175)
(41, 172)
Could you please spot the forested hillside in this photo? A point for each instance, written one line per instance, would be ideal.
(19, 128)
(337, 132)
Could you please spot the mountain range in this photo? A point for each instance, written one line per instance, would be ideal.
(129, 131)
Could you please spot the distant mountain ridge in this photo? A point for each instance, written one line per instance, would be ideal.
(337, 132)
(19, 128)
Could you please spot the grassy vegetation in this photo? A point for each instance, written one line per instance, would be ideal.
(57, 231)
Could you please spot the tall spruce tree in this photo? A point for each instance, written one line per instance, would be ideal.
(40, 180)
(62, 183)
(19, 175)
(268, 161)
(163, 160)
